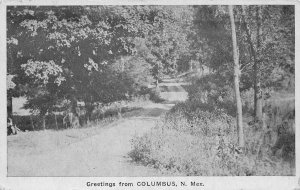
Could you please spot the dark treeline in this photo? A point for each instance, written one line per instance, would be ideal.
(59, 55)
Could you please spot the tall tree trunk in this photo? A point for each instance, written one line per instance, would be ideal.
(9, 106)
(44, 122)
(9, 70)
(236, 80)
(31, 121)
(120, 112)
(55, 121)
(256, 66)
(257, 93)
(157, 85)
(89, 110)
(257, 71)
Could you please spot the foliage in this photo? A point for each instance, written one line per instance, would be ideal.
(165, 29)
(202, 119)
(179, 144)
(272, 57)
(211, 24)
(213, 89)
(43, 71)
(75, 53)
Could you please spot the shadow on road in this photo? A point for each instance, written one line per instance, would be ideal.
(164, 88)
(147, 112)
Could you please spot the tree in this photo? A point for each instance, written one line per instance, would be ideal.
(66, 46)
(9, 87)
(268, 49)
(236, 80)
(165, 39)
(216, 33)
(256, 66)
(69, 52)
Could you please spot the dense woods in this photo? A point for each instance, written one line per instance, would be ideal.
(104, 56)
(93, 54)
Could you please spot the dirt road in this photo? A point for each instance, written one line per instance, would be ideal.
(104, 154)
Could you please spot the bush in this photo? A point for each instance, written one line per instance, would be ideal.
(280, 114)
(168, 149)
(190, 141)
(34, 122)
(187, 154)
(155, 95)
(248, 101)
(199, 118)
(213, 90)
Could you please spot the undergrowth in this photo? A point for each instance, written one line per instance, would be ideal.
(193, 141)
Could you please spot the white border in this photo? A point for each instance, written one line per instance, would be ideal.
(56, 183)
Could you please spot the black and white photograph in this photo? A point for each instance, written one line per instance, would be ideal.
(150, 90)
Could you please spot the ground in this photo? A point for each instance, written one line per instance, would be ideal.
(95, 151)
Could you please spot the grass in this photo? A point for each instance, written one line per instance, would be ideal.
(40, 141)
(192, 141)
(50, 139)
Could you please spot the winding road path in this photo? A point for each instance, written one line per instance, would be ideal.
(104, 154)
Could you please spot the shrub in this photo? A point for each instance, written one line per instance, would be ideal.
(280, 114)
(169, 149)
(198, 121)
(187, 154)
(190, 141)
(34, 122)
(215, 90)
(248, 101)
(154, 95)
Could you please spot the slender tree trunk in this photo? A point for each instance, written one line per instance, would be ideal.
(256, 66)
(9, 106)
(9, 96)
(236, 80)
(71, 119)
(257, 70)
(89, 110)
(55, 121)
(120, 112)
(258, 105)
(31, 121)
(157, 86)
(73, 114)
(44, 122)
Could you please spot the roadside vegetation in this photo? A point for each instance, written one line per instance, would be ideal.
(101, 114)
(80, 64)
(81, 67)
(203, 135)
(198, 139)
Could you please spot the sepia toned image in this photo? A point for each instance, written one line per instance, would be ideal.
(150, 90)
